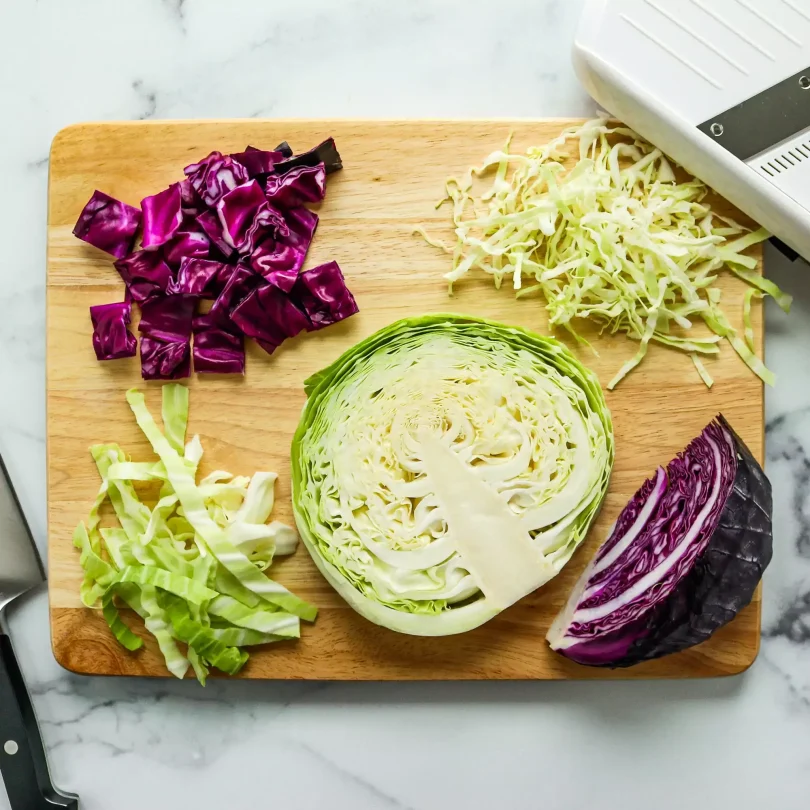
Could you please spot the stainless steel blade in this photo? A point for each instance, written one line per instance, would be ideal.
(20, 566)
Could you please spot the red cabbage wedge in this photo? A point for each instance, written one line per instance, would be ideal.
(684, 557)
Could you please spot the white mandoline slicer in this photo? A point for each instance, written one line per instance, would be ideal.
(722, 86)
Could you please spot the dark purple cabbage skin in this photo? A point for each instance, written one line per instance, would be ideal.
(325, 153)
(285, 149)
(719, 584)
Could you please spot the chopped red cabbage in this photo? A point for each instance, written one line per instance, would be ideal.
(302, 184)
(283, 278)
(214, 176)
(108, 224)
(238, 286)
(302, 224)
(202, 278)
(111, 338)
(237, 209)
(164, 361)
(280, 260)
(210, 224)
(165, 329)
(162, 217)
(145, 273)
(269, 222)
(322, 293)
(234, 230)
(190, 202)
(187, 243)
(217, 350)
(168, 318)
(257, 161)
(269, 316)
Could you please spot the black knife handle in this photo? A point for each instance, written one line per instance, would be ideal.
(22, 757)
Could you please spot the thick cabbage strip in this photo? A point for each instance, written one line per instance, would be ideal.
(191, 566)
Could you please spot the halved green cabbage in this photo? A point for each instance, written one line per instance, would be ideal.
(447, 466)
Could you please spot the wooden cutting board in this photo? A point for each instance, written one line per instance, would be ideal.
(394, 173)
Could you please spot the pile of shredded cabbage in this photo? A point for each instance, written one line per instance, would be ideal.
(193, 566)
(617, 240)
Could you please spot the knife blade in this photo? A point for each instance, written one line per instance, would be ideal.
(22, 756)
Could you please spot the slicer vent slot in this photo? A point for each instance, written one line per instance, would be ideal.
(778, 164)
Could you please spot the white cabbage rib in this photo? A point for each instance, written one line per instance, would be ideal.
(371, 505)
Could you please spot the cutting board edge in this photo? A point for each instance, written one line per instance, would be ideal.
(649, 671)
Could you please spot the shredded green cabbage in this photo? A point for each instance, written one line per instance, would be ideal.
(192, 566)
(616, 239)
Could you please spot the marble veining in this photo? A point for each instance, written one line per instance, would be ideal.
(123, 743)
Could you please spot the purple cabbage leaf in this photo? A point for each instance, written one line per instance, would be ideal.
(162, 217)
(108, 224)
(145, 273)
(684, 557)
(217, 350)
(214, 176)
(302, 184)
(111, 338)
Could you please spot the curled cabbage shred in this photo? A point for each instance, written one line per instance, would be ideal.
(616, 240)
(438, 452)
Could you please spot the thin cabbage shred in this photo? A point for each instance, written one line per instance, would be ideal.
(616, 239)
(193, 565)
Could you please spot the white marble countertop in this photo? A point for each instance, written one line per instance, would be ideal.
(742, 742)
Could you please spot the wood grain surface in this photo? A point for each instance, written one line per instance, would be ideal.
(394, 172)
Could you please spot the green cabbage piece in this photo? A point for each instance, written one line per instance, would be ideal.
(616, 240)
(191, 565)
(518, 415)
